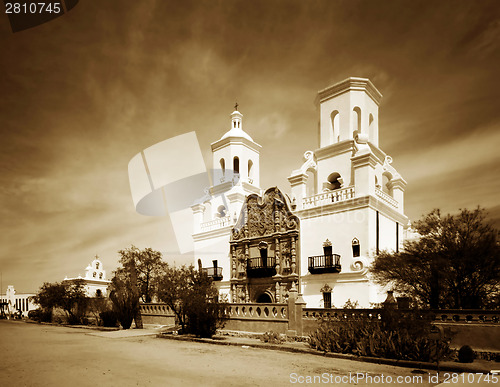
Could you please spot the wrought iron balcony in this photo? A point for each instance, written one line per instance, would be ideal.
(214, 272)
(324, 264)
(261, 267)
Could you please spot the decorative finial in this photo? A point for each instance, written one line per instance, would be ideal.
(236, 106)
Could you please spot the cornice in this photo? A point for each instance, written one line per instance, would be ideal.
(353, 83)
(298, 179)
(274, 235)
(349, 276)
(197, 208)
(250, 188)
(219, 188)
(364, 160)
(235, 141)
(219, 232)
(397, 182)
(367, 201)
(387, 210)
(233, 196)
(333, 208)
(378, 153)
(335, 149)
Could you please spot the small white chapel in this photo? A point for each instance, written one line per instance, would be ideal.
(95, 282)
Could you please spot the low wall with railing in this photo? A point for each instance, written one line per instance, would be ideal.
(312, 316)
(159, 314)
(478, 328)
(257, 317)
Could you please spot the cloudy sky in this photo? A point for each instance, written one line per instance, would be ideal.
(81, 95)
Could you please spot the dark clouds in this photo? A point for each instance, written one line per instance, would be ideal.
(83, 94)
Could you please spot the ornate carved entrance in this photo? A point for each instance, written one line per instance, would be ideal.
(264, 249)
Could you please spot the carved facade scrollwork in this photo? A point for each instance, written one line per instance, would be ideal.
(265, 223)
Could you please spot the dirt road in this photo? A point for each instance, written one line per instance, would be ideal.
(41, 355)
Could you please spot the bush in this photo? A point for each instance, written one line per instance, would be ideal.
(74, 320)
(204, 318)
(466, 354)
(40, 315)
(405, 341)
(273, 338)
(109, 318)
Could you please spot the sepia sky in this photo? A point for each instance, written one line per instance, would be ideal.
(81, 95)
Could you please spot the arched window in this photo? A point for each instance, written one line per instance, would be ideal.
(334, 181)
(355, 247)
(356, 120)
(236, 165)
(100, 276)
(95, 274)
(386, 183)
(250, 169)
(97, 265)
(263, 253)
(223, 166)
(221, 211)
(98, 293)
(335, 132)
(327, 296)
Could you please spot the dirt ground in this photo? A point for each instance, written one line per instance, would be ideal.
(42, 355)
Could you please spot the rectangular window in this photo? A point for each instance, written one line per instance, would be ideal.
(327, 300)
(397, 237)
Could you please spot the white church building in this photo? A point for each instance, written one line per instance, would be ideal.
(345, 204)
(94, 281)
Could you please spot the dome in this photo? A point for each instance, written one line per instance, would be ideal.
(237, 132)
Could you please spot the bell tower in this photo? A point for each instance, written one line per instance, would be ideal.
(357, 200)
(348, 109)
(236, 158)
(235, 175)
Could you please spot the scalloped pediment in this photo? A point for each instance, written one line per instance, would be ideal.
(263, 216)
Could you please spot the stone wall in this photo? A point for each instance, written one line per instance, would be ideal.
(158, 314)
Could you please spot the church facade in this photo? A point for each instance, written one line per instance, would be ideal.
(94, 282)
(345, 204)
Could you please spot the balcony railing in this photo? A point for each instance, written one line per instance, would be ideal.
(216, 224)
(386, 198)
(261, 267)
(324, 264)
(329, 197)
(214, 272)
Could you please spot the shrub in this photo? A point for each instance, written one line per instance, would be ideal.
(405, 341)
(109, 318)
(204, 318)
(466, 354)
(40, 315)
(74, 320)
(273, 338)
